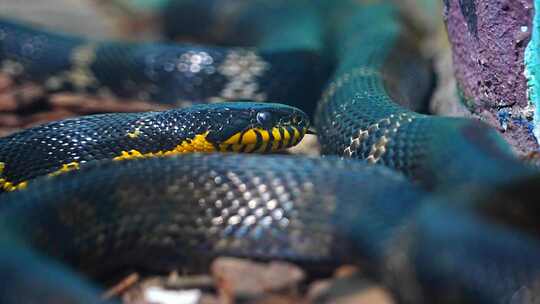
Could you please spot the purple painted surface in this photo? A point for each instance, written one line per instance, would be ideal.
(488, 40)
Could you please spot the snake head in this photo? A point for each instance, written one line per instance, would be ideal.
(258, 127)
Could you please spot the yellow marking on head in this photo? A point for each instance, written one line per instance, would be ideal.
(265, 140)
(235, 139)
(263, 146)
(276, 134)
(297, 135)
(245, 138)
(134, 134)
(66, 168)
(2, 167)
(286, 137)
(196, 144)
(224, 147)
(249, 148)
(265, 135)
(237, 147)
(247, 141)
(250, 137)
(277, 138)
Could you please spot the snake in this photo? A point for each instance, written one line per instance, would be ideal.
(65, 145)
(438, 230)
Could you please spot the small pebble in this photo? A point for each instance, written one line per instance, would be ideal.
(246, 278)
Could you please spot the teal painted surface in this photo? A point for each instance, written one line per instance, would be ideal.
(532, 68)
(149, 4)
(431, 6)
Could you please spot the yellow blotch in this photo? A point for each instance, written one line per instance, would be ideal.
(196, 144)
(66, 168)
(21, 185)
(7, 185)
(134, 134)
(131, 154)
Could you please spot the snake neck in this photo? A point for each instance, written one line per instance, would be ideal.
(366, 111)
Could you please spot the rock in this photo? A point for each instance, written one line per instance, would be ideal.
(348, 290)
(374, 295)
(10, 120)
(490, 41)
(5, 83)
(308, 146)
(83, 104)
(44, 117)
(279, 299)
(72, 16)
(243, 278)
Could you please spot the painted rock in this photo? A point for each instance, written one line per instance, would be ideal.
(495, 55)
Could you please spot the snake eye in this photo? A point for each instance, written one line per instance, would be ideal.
(296, 120)
(263, 118)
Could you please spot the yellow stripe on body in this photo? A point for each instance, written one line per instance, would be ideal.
(66, 168)
(10, 186)
(136, 133)
(7, 185)
(196, 144)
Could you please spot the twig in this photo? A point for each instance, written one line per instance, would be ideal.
(121, 287)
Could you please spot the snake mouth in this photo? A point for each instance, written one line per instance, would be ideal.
(263, 140)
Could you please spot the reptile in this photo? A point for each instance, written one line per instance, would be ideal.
(426, 246)
(281, 65)
(179, 212)
(64, 145)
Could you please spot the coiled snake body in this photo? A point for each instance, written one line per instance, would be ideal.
(184, 210)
